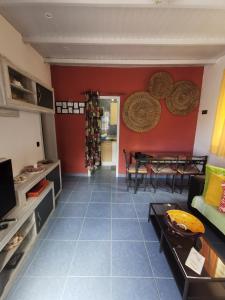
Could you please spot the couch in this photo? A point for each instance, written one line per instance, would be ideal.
(204, 211)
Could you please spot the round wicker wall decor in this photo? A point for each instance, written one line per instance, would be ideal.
(160, 85)
(184, 98)
(141, 112)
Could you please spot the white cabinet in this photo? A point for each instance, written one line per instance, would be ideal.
(20, 90)
(12, 252)
(30, 215)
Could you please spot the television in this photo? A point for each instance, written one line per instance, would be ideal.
(7, 191)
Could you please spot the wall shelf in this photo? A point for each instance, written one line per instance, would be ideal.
(22, 91)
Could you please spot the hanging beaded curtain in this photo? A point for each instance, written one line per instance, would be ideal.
(93, 131)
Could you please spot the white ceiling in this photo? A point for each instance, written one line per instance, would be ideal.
(121, 32)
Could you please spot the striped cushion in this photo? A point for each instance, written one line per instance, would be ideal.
(192, 169)
(141, 170)
(163, 169)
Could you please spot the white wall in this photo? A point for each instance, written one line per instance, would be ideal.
(21, 54)
(210, 91)
(18, 135)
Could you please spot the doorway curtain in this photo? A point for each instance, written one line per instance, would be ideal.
(93, 131)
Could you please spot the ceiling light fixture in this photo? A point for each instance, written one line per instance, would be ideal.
(157, 2)
(48, 15)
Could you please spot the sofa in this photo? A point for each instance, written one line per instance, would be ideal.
(207, 213)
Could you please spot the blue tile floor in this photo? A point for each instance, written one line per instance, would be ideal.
(98, 245)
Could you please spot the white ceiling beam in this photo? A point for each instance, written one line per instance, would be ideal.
(119, 62)
(207, 4)
(125, 41)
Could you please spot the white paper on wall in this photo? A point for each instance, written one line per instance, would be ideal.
(59, 110)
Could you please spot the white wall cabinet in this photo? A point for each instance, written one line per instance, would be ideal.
(22, 91)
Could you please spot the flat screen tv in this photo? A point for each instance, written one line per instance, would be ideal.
(7, 191)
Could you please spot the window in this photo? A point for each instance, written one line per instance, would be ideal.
(218, 138)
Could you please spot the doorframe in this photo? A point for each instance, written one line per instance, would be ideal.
(117, 98)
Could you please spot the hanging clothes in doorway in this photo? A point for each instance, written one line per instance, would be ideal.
(93, 131)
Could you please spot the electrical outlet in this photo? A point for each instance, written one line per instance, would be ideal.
(204, 112)
(38, 144)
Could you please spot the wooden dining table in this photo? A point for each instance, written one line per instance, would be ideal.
(176, 157)
(157, 158)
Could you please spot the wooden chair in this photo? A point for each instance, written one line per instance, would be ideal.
(164, 166)
(134, 171)
(194, 165)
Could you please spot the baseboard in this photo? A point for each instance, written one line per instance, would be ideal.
(75, 174)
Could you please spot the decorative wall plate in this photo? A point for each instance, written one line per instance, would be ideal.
(184, 98)
(141, 112)
(160, 85)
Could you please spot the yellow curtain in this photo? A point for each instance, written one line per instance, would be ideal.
(218, 138)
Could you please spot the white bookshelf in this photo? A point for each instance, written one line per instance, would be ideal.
(27, 215)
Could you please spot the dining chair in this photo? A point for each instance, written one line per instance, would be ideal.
(134, 171)
(193, 165)
(164, 167)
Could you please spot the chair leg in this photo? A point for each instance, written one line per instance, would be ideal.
(156, 183)
(150, 180)
(135, 183)
(145, 181)
(181, 183)
(129, 180)
(173, 183)
(189, 179)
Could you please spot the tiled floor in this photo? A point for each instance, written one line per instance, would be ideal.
(98, 245)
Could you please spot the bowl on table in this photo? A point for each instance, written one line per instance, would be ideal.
(183, 223)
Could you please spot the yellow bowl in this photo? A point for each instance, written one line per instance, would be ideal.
(185, 221)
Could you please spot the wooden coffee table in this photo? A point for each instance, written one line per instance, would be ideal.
(210, 285)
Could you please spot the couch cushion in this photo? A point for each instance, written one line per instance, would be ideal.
(214, 191)
(222, 203)
(209, 170)
(210, 212)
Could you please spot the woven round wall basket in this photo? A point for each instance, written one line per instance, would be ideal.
(184, 98)
(160, 85)
(141, 112)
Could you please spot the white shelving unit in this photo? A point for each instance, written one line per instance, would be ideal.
(32, 179)
(29, 221)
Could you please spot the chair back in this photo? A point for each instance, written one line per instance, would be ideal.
(197, 161)
(126, 159)
(169, 162)
(200, 161)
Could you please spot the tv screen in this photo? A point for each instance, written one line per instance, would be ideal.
(7, 191)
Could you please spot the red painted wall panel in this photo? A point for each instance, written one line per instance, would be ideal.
(173, 133)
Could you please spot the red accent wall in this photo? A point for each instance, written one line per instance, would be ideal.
(173, 133)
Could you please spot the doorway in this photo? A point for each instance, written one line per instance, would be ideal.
(110, 132)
